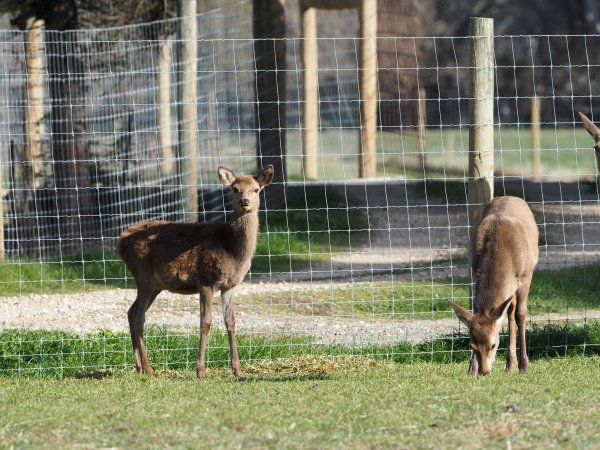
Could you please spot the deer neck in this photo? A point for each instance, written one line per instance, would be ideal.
(244, 230)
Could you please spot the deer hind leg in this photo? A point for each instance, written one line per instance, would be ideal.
(511, 357)
(137, 317)
(206, 295)
(521, 318)
(229, 318)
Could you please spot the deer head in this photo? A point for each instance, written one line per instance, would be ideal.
(246, 189)
(484, 331)
(595, 133)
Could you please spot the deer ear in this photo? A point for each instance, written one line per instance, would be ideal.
(265, 176)
(226, 176)
(590, 126)
(463, 314)
(499, 311)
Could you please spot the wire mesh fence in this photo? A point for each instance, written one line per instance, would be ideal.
(343, 264)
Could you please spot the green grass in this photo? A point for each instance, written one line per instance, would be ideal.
(311, 403)
(563, 152)
(71, 273)
(61, 354)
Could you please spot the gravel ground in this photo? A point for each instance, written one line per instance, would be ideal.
(93, 311)
(410, 238)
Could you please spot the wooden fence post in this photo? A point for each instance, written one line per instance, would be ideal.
(310, 130)
(188, 145)
(34, 109)
(368, 89)
(481, 118)
(422, 129)
(535, 138)
(165, 63)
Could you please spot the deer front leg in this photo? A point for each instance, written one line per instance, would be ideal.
(229, 318)
(206, 295)
(474, 365)
(511, 357)
(521, 317)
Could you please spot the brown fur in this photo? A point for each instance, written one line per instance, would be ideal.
(190, 258)
(595, 133)
(504, 256)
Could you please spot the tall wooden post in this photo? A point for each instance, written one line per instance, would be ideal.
(188, 145)
(34, 108)
(269, 57)
(165, 65)
(310, 130)
(481, 120)
(535, 139)
(368, 88)
(481, 117)
(422, 130)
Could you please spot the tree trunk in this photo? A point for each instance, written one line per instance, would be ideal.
(269, 56)
(70, 152)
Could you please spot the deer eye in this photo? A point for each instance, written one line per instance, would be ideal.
(236, 190)
(256, 190)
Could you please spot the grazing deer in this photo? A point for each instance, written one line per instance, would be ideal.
(190, 258)
(505, 253)
(595, 132)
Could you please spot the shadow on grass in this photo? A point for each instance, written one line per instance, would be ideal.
(94, 375)
(543, 341)
(283, 378)
(57, 354)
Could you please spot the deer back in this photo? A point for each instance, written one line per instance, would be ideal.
(505, 252)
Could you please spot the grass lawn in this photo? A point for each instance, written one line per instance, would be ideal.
(311, 402)
(563, 152)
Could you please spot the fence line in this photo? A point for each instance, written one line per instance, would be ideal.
(365, 264)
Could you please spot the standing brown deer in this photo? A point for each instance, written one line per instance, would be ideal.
(190, 258)
(505, 252)
(595, 132)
